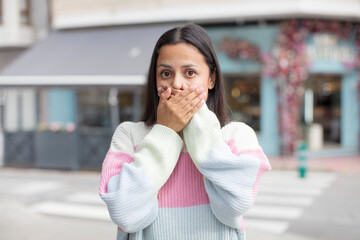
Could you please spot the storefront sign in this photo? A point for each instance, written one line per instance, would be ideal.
(327, 47)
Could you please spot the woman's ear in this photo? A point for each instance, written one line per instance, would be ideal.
(212, 80)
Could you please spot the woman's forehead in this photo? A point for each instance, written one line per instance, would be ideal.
(181, 52)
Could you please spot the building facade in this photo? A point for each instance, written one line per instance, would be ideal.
(291, 71)
(308, 91)
(22, 24)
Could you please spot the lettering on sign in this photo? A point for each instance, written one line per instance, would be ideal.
(327, 47)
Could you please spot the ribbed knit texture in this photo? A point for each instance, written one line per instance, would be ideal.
(155, 191)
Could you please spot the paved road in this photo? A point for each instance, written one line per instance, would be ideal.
(42, 204)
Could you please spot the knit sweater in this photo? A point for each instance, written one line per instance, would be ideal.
(158, 185)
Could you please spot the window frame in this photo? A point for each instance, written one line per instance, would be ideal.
(1, 12)
(27, 12)
(229, 79)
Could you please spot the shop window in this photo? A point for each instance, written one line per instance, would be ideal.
(126, 109)
(1, 11)
(19, 109)
(25, 12)
(322, 108)
(243, 97)
(93, 108)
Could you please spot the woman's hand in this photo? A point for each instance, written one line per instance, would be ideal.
(175, 109)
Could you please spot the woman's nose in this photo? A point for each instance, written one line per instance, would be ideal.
(177, 81)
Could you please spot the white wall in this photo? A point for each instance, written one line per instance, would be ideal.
(11, 111)
(83, 13)
(20, 112)
(28, 109)
(12, 33)
(1, 148)
(1, 129)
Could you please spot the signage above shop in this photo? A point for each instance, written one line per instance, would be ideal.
(327, 47)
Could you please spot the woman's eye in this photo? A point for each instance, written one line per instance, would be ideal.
(190, 73)
(165, 74)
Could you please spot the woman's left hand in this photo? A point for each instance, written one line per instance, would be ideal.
(176, 107)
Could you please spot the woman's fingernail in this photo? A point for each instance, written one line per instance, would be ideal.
(185, 86)
(159, 89)
(200, 90)
(203, 95)
(193, 87)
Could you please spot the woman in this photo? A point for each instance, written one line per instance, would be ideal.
(183, 172)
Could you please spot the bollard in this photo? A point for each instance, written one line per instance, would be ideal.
(302, 159)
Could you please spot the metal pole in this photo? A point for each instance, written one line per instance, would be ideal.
(114, 107)
(136, 105)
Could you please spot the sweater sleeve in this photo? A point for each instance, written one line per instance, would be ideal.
(231, 162)
(131, 179)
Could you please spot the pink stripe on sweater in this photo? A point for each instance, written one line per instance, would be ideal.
(185, 187)
(257, 153)
(112, 166)
(242, 229)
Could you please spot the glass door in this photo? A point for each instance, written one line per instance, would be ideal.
(321, 109)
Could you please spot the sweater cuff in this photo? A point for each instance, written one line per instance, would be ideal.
(171, 140)
(201, 134)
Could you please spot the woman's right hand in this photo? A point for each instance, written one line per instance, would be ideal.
(175, 111)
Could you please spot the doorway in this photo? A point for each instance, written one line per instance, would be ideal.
(321, 113)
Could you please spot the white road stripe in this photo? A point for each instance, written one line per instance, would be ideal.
(284, 200)
(72, 210)
(314, 179)
(282, 197)
(35, 188)
(271, 226)
(277, 212)
(295, 184)
(290, 190)
(85, 197)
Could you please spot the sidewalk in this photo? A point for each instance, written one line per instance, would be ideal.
(344, 164)
(43, 201)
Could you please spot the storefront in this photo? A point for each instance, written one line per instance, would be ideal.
(292, 81)
(67, 127)
(251, 96)
(62, 99)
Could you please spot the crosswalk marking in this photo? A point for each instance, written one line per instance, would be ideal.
(282, 197)
(291, 190)
(273, 226)
(85, 197)
(35, 187)
(72, 210)
(284, 200)
(290, 178)
(270, 211)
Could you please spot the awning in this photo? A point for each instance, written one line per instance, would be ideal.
(92, 56)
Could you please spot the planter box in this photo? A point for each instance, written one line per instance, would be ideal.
(56, 150)
(19, 149)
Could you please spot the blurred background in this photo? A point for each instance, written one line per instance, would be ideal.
(72, 70)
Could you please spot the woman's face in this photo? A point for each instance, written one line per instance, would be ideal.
(180, 64)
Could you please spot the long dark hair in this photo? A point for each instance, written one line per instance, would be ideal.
(195, 35)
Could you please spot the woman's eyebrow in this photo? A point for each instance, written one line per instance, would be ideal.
(163, 65)
(188, 66)
(183, 66)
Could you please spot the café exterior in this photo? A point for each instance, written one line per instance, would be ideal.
(294, 81)
(291, 81)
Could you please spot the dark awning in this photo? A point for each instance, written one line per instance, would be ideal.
(101, 55)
